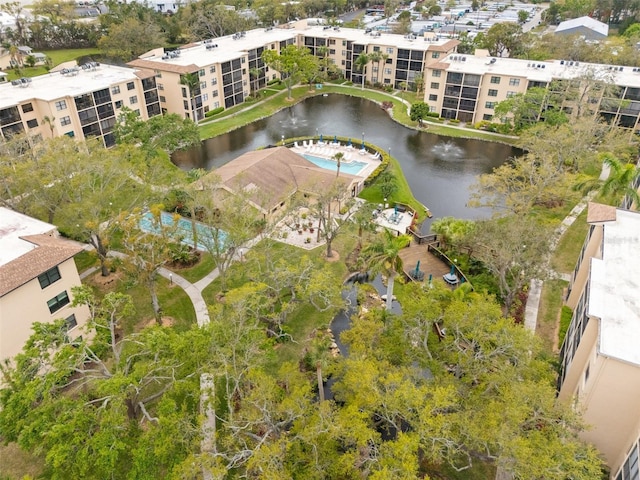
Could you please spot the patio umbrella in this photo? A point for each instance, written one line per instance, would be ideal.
(362, 146)
(417, 267)
(321, 137)
(349, 143)
(335, 139)
(395, 210)
(453, 270)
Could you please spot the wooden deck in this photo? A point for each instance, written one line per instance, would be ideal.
(429, 264)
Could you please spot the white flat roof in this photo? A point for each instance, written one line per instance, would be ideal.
(614, 294)
(542, 71)
(229, 48)
(52, 86)
(14, 225)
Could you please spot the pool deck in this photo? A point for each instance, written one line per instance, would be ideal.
(351, 153)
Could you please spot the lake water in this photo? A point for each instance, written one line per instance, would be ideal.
(439, 170)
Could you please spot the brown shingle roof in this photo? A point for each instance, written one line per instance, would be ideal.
(47, 253)
(274, 174)
(597, 213)
(164, 66)
(445, 47)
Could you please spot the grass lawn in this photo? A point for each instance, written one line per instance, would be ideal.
(549, 313)
(566, 254)
(17, 464)
(85, 260)
(403, 194)
(57, 57)
(174, 302)
(199, 270)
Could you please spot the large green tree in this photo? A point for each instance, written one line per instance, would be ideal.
(293, 63)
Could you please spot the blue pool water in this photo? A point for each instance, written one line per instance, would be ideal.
(352, 167)
(184, 229)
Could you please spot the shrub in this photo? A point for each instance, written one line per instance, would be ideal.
(433, 114)
(275, 81)
(455, 121)
(565, 320)
(213, 112)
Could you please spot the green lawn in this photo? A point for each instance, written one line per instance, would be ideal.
(199, 270)
(549, 313)
(85, 260)
(57, 57)
(566, 254)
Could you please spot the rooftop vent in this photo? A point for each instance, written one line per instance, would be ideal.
(492, 61)
(561, 62)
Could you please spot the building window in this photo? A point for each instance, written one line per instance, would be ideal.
(65, 121)
(212, 69)
(435, 54)
(131, 86)
(27, 107)
(492, 93)
(387, 71)
(511, 94)
(201, 72)
(514, 82)
(160, 86)
(216, 105)
(61, 105)
(71, 322)
(57, 302)
(630, 468)
(50, 276)
(32, 123)
(437, 73)
(244, 60)
(487, 116)
(203, 85)
(214, 82)
(133, 100)
(162, 99)
(435, 85)
(205, 97)
(115, 89)
(389, 50)
(118, 103)
(185, 104)
(433, 98)
(489, 104)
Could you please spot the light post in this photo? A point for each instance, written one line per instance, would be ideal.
(283, 140)
(363, 140)
(389, 151)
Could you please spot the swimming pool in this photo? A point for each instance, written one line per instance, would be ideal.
(184, 229)
(352, 167)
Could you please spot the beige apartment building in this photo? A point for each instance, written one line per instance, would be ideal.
(37, 273)
(600, 356)
(229, 68)
(78, 101)
(468, 87)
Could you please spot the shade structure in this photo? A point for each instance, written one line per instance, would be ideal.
(453, 270)
(349, 143)
(320, 137)
(335, 139)
(362, 146)
(418, 266)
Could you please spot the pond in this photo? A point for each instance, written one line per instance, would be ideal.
(439, 169)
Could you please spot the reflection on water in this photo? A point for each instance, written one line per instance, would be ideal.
(439, 169)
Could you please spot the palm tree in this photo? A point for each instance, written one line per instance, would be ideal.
(254, 74)
(361, 63)
(376, 56)
(622, 180)
(192, 82)
(338, 158)
(383, 256)
(323, 53)
(50, 121)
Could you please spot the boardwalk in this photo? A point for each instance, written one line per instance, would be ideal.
(429, 264)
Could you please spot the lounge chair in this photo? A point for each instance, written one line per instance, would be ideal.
(304, 143)
(295, 144)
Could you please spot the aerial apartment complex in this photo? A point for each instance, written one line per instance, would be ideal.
(600, 356)
(468, 87)
(37, 272)
(78, 101)
(230, 67)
